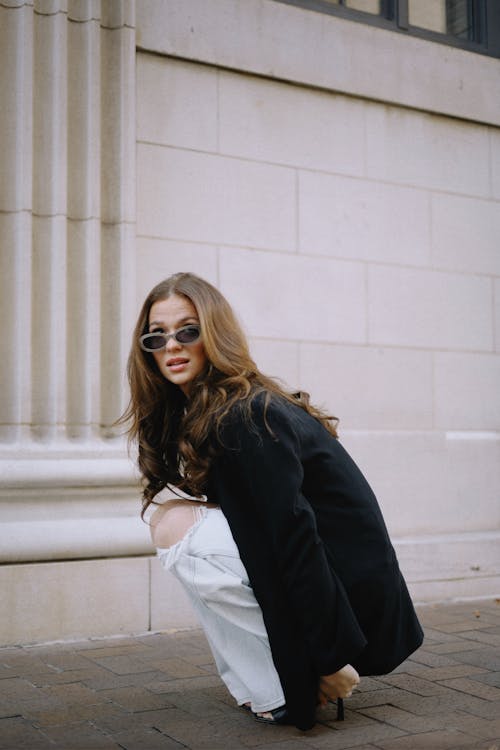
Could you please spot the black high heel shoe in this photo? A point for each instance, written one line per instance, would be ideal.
(279, 716)
(340, 709)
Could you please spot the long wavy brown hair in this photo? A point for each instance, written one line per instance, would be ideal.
(175, 435)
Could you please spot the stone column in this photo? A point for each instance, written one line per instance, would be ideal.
(67, 223)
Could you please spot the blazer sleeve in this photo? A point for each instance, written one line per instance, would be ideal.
(266, 458)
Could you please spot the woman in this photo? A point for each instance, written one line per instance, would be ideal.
(306, 525)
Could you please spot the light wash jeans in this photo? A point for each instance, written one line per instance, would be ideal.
(207, 564)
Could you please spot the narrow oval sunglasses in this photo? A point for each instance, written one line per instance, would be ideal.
(153, 342)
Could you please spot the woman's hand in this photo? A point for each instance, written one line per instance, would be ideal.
(337, 685)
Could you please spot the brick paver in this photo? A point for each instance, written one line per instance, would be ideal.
(161, 692)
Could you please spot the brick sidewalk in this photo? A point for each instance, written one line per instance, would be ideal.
(161, 692)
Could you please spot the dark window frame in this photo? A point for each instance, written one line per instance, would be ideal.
(395, 17)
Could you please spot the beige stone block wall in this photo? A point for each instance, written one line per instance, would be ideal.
(377, 388)
(466, 391)
(278, 359)
(72, 600)
(464, 234)
(158, 258)
(293, 297)
(429, 309)
(372, 282)
(230, 200)
(178, 103)
(267, 121)
(419, 149)
(364, 220)
(431, 482)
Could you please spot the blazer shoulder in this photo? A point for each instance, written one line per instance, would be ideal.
(262, 418)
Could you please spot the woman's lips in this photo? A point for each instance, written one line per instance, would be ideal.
(177, 364)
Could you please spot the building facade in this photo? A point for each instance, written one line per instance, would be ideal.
(338, 180)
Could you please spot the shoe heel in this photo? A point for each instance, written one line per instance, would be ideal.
(340, 709)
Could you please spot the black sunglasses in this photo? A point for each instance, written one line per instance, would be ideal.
(153, 342)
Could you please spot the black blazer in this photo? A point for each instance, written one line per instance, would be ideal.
(312, 538)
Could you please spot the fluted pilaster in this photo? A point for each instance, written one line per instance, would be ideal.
(67, 212)
(16, 127)
(118, 198)
(67, 228)
(84, 218)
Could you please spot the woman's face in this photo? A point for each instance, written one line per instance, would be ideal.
(179, 363)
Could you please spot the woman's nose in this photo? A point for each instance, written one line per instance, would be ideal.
(172, 344)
